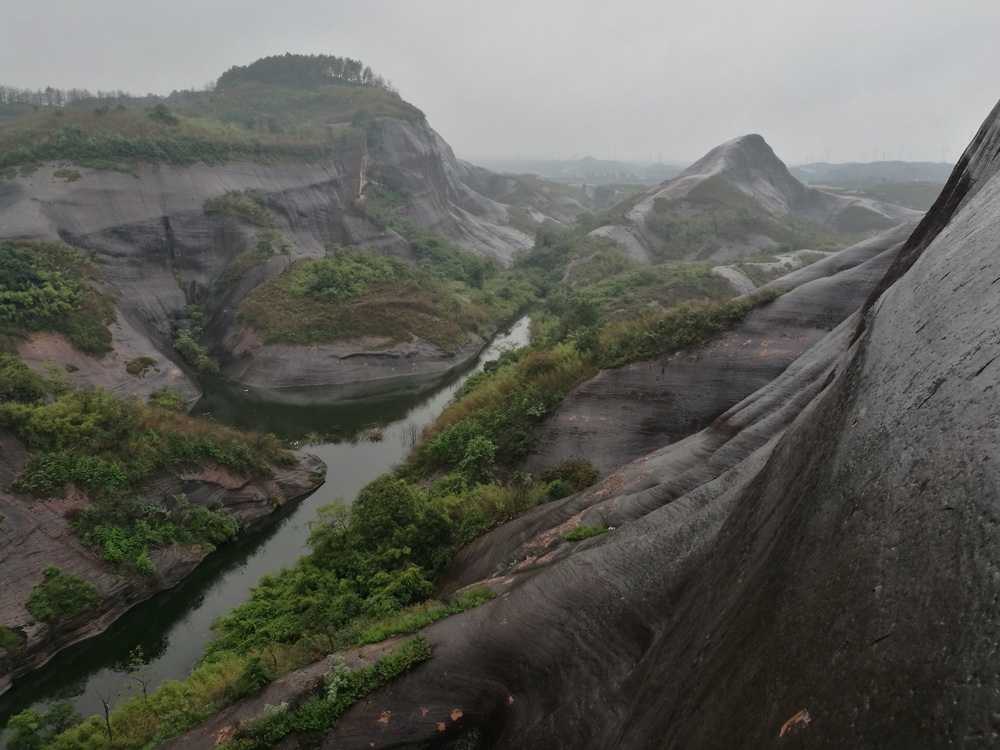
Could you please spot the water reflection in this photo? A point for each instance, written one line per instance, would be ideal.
(172, 627)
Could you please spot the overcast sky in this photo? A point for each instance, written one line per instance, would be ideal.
(558, 78)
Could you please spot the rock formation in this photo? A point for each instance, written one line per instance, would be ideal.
(816, 568)
(749, 164)
(159, 252)
(36, 533)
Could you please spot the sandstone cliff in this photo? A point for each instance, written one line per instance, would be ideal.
(159, 252)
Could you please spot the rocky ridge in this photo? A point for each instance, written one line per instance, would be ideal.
(748, 163)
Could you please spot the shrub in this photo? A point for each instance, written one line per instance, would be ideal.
(61, 596)
(46, 286)
(577, 474)
(137, 367)
(169, 399)
(11, 639)
(247, 207)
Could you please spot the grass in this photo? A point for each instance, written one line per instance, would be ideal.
(584, 532)
(413, 618)
(47, 286)
(684, 325)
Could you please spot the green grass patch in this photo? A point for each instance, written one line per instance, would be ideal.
(69, 175)
(684, 325)
(106, 165)
(584, 532)
(46, 286)
(415, 617)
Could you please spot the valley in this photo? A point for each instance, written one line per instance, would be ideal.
(274, 319)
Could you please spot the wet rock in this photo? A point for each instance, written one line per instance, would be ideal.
(815, 568)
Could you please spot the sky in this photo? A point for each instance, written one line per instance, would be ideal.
(851, 80)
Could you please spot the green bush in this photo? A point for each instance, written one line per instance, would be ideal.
(578, 475)
(30, 730)
(245, 206)
(46, 286)
(18, 382)
(584, 532)
(11, 639)
(138, 366)
(169, 399)
(61, 596)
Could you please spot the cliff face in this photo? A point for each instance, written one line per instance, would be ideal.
(159, 251)
(750, 165)
(816, 568)
(35, 534)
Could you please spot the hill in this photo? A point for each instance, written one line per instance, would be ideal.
(737, 200)
(190, 203)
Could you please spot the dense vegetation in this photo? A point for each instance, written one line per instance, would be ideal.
(46, 286)
(303, 71)
(109, 447)
(61, 596)
(349, 295)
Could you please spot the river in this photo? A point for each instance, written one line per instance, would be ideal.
(173, 627)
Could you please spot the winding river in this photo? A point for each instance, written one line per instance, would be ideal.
(173, 627)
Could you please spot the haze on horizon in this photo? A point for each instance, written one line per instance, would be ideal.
(839, 82)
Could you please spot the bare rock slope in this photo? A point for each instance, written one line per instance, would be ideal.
(749, 164)
(817, 568)
(159, 252)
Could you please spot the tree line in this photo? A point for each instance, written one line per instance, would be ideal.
(304, 70)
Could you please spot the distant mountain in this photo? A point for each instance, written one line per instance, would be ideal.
(857, 173)
(740, 199)
(586, 170)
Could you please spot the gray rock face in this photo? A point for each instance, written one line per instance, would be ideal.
(816, 568)
(159, 252)
(749, 164)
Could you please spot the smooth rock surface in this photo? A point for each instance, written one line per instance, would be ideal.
(624, 413)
